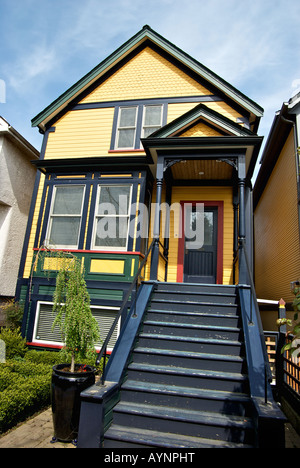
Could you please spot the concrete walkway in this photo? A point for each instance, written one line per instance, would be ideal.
(38, 432)
(33, 433)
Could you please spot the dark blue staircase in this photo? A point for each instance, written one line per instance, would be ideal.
(186, 384)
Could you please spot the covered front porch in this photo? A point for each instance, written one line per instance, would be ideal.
(205, 181)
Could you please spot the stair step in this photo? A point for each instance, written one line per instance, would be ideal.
(197, 360)
(196, 296)
(195, 330)
(172, 304)
(198, 399)
(192, 287)
(179, 316)
(182, 421)
(122, 437)
(183, 343)
(200, 378)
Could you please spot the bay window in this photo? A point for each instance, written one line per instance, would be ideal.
(65, 216)
(112, 216)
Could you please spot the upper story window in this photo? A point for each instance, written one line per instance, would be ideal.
(152, 120)
(126, 127)
(134, 123)
(65, 216)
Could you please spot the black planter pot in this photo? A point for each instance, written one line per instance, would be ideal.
(65, 394)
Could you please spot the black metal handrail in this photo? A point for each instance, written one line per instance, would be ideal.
(268, 372)
(103, 351)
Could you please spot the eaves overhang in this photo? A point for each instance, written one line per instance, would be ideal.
(9, 132)
(101, 163)
(281, 127)
(145, 34)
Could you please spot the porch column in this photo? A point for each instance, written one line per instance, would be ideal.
(156, 224)
(243, 275)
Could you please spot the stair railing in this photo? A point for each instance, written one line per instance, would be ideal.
(253, 300)
(103, 351)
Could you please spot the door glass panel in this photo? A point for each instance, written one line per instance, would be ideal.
(200, 258)
(208, 227)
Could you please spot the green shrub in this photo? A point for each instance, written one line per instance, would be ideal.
(13, 313)
(14, 342)
(25, 389)
(50, 358)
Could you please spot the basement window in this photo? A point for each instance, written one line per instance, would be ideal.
(43, 334)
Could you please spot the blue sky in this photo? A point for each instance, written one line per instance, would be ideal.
(47, 45)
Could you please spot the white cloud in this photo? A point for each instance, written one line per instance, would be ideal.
(36, 64)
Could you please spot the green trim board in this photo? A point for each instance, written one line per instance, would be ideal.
(98, 266)
(145, 34)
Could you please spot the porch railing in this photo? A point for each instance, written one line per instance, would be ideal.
(249, 321)
(134, 285)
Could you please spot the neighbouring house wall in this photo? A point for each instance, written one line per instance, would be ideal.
(276, 230)
(17, 176)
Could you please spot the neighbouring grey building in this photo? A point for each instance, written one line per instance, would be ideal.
(17, 177)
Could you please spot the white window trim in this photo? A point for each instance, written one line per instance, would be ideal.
(109, 248)
(35, 340)
(126, 128)
(48, 240)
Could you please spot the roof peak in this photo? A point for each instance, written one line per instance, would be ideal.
(146, 33)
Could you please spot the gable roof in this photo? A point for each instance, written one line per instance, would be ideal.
(194, 116)
(145, 35)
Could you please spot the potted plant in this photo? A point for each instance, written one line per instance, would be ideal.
(293, 347)
(80, 331)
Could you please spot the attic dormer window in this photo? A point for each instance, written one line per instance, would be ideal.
(134, 123)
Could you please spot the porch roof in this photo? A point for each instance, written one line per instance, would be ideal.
(205, 148)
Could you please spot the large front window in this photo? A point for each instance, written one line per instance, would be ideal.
(112, 215)
(65, 216)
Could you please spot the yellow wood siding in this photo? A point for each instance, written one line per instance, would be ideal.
(87, 132)
(80, 134)
(277, 251)
(147, 75)
(200, 130)
(29, 257)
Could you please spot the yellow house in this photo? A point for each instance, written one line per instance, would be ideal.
(146, 164)
(276, 204)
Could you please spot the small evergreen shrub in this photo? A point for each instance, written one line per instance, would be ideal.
(24, 389)
(14, 342)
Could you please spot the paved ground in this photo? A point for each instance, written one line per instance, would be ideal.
(38, 431)
(34, 433)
